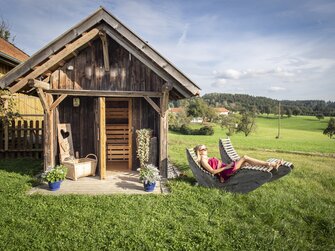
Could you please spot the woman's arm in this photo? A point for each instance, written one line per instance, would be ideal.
(204, 164)
(229, 166)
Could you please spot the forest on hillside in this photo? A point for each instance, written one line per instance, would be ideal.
(239, 102)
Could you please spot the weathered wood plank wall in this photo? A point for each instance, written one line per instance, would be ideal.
(82, 123)
(144, 116)
(126, 72)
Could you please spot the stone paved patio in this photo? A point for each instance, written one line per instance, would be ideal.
(116, 183)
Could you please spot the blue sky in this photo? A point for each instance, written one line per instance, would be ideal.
(278, 49)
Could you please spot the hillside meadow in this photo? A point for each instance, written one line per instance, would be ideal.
(293, 213)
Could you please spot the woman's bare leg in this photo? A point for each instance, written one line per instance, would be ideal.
(241, 162)
(255, 162)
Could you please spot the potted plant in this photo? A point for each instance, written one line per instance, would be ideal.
(149, 174)
(55, 176)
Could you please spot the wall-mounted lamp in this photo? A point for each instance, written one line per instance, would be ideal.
(70, 68)
(76, 102)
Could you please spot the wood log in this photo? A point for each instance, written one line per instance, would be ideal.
(38, 84)
(43, 100)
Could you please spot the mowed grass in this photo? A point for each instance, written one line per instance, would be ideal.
(293, 213)
(300, 134)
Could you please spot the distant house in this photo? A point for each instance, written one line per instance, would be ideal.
(10, 57)
(218, 110)
(176, 110)
(221, 111)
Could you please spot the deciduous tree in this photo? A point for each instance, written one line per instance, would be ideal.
(330, 130)
(247, 123)
(5, 30)
(230, 122)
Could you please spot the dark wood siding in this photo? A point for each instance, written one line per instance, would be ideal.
(126, 72)
(144, 116)
(82, 123)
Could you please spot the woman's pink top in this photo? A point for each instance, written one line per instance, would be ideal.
(214, 162)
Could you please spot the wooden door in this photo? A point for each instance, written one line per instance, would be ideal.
(119, 132)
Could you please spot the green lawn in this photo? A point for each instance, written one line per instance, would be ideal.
(293, 213)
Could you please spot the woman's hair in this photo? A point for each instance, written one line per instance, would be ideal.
(197, 152)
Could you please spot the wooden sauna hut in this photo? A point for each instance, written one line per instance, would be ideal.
(106, 82)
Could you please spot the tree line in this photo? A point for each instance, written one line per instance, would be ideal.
(263, 105)
(243, 111)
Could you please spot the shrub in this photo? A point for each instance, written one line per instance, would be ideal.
(143, 137)
(186, 130)
(330, 130)
(206, 130)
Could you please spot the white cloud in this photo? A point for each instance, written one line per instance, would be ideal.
(220, 83)
(230, 74)
(213, 48)
(183, 35)
(276, 88)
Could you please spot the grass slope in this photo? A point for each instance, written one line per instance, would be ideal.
(293, 213)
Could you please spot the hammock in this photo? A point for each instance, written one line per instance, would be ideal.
(228, 154)
(244, 180)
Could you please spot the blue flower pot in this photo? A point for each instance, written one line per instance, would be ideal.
(54, 186)
(149, 187)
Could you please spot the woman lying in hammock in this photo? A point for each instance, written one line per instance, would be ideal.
(223, 170)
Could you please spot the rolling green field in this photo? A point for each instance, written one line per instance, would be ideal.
(293, 213)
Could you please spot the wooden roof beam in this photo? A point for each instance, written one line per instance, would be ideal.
(102, 93)
(58, 101)
(104, 41)
(153, 104)
(61, 63)
(56, 59)
(38, 84)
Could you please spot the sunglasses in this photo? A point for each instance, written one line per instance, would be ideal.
(203, 149)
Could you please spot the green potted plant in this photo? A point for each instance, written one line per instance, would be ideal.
(55, 176)
(149, 174)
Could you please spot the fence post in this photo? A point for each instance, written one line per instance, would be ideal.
(6, 126)
(6, 135)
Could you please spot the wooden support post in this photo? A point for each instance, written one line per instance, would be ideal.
(6, 127)
(52, 133)
(55, 59)
(43, 100)
(104, 41)
(163, 141)
(46, 142)
(49, 135)
(102, 137)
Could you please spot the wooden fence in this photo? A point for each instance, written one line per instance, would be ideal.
(21, 138)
